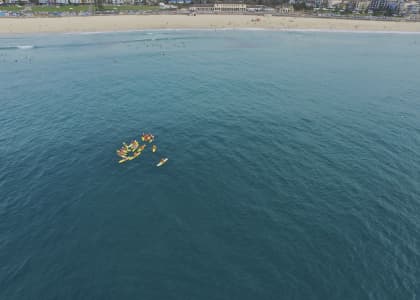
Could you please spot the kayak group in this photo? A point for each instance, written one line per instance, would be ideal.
(133, 150)
(130, 151)
(147, 137)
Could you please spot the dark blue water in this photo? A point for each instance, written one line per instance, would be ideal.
(293, 173)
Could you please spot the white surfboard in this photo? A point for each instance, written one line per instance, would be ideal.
(162, 162)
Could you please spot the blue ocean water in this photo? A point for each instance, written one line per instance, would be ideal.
(293, 172)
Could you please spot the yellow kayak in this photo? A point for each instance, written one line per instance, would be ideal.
(133, 145)
(121, 153)
(123, 160)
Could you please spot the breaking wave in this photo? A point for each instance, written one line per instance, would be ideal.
(18, 47)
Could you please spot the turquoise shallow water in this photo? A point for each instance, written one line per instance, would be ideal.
(293, 166)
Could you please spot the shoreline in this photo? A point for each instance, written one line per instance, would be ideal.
(121, 23)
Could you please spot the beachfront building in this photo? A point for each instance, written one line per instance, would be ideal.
(410, 8)
(201, 8)
(179, 1)
(334, 3)
(394, 5)
(59, 2)
(362, 5)
(255, 8)
(310, 3)
(16, 2)
(285, 9)
(219, 8)
(65, 2)
(337, 4)
(376, 5)
(229, 7)
(116, 2)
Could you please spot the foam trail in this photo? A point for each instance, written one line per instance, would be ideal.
(25, 47)
(18, 47)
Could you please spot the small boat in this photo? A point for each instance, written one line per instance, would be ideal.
(154, 148)
(162, 162)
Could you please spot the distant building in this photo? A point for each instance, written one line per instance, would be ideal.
(179, 1)
(220, 7)
(339, 4)
(410, 8)
(230, 7)
(116, 2)
(204, 8)
(362, 5)
(310, 3)
(334, 3)
(255, 8)
(350, 5)
(166, 6)
(376, 5)
(394, 5)
(285, 9)
(16, 1)
(319, 3)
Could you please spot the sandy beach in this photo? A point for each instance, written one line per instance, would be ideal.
(135, 22)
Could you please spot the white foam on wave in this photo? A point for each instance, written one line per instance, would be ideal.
(342, 31)
(88, 32)
(109, 31)
(25, 47)
(303, 30)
